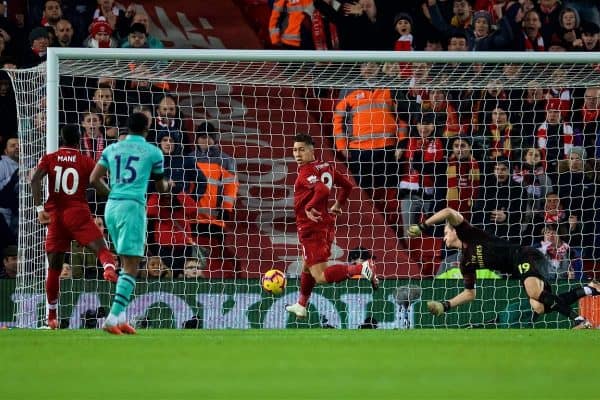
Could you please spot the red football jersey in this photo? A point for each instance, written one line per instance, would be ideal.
(311, 190)
(68, 178)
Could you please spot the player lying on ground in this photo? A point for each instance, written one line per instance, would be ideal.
(315, 223)
(67, 212)
(129, 163)
(483, 250)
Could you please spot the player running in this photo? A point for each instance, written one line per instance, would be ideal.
(130, 163)
(67, 212)
(316, 223)
(483, 250)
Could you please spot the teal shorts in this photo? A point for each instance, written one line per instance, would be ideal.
(126, 223)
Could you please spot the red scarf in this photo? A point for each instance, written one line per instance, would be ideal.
(92, 147)
(463, 183)
(537, 46)
(554, 216)
(319, 36)
(501, 141)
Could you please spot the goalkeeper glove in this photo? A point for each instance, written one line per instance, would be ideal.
(416, 230)
(437, 308)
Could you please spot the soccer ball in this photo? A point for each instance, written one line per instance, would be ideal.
(273, 281)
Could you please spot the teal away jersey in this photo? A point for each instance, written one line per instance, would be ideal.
(130, 163)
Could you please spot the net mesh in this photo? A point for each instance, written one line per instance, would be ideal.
(256, 108)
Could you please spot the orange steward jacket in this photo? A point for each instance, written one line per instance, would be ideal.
(213, 184)
(365, 119)
(286, 21)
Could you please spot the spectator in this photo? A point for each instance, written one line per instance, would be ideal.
(477, 27)
(141, 17)
(9, 259)
(9, 184)
(437, 102)
(433, 43)
(324, 32)
(586, 122)
(8, 106)
(105, 107)
(36, 54)
(289, 22)
(457, 41)
(137, 37)
(93, 140)
(531, 175)
(579, 193)
(212, 183)
(554, 212)
(548, 12)
(118, 19)
(531, 112)
(52, 13)
(8, 33)
(171, 213)
(100, 35)
(462, 175)
(501, 205)
(403, 24)
(554, 137)
(64, 34)
(529, 37)
(168, 121)
(559, 253)
(367, 135)
(194, 268)
(361, 25)
(569, 29)
(155, 269)
(424, 155)
(590, 36)
(499, 139)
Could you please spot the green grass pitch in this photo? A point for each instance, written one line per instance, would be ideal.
(300, 364)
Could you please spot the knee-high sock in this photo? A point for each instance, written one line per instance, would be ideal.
(52, 289)
(340, 272)
(107, 259)
(572, 295)
(307, 283)
(554, 303)
(125, 286)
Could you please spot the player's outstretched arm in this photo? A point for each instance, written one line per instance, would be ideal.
(447, 214)
(36, 192)
(438, 308)
(96, 179)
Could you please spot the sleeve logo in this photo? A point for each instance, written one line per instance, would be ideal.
(312, 179)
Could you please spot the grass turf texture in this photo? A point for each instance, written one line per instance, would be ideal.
(300, 364)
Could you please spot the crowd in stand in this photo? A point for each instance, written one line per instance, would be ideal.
(189, 225)
(517, 161)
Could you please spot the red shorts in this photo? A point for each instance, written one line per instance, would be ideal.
(72, 224)
(316, 245)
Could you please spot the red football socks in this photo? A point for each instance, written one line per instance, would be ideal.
(106, 257)
(52, 288)
(340, 272)
(307, 283)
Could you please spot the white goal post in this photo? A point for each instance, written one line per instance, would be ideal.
(257, 100)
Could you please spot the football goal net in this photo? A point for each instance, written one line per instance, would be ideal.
(508, 139)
